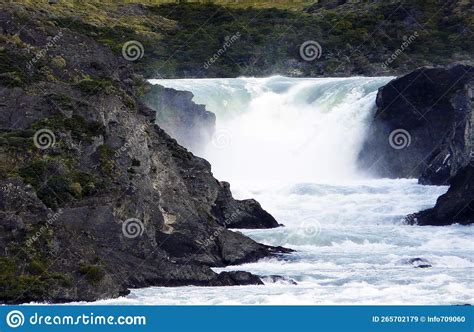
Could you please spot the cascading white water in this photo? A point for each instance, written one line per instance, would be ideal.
(292, 145)
(282, 129)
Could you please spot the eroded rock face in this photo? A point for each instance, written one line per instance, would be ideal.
(454, 207)
(190, 124)
(423, 126)
(112, 202)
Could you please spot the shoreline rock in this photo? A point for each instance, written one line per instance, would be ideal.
(109, 201)
(454, 207)
(423, 126)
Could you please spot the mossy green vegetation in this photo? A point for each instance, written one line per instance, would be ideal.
(21, 283)
(91, 86)
(77, 126)
(93, 273)
(53, 173)
(106, 159)
(57, 183)
(357, 38)
(11, 71)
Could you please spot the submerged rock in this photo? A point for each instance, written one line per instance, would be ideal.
(419, 263)
(239, 278)
(279, 279)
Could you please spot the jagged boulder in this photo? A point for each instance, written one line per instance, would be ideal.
(454, 207)
(423, 126)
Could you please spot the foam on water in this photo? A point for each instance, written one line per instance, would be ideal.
(293, 147)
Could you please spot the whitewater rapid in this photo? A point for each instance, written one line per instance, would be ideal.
(292, 144)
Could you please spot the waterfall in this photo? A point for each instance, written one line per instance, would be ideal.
(281, 129)
(292, 144)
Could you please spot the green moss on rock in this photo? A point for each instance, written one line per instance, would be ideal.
(93, 273)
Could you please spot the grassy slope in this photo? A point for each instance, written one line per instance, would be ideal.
(356, 39)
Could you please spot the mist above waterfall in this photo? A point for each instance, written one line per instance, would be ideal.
(285, 130)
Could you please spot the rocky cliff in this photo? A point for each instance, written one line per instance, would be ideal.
(456, 206)
(190, 124)
(95, 198)
(423, 126)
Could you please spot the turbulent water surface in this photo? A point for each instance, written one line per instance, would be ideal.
(292, 144)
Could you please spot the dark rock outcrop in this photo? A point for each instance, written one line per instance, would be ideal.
(423, 126)
(107, 201)
(239, 278)
(241, 214)
(190, 124)
(419, 263)
(456, 206)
